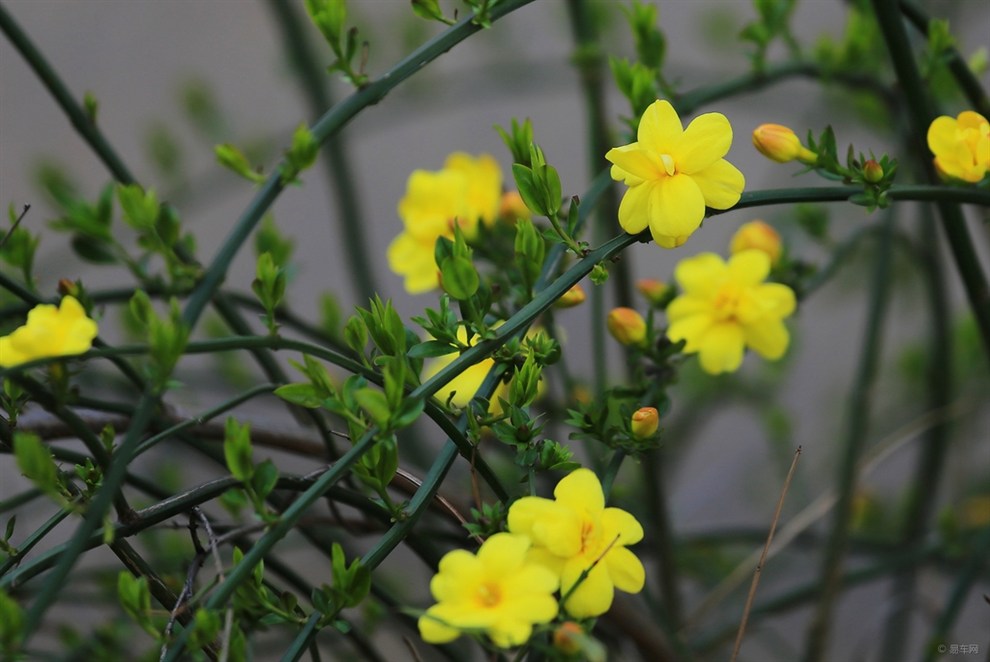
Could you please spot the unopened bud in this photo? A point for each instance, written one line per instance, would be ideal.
(512, 208)
(645, 422)
(872, 171)
(757, 235)
(780, 144)
(653, 290)
(567, 638)
(627, 326)
(571, 297)
(67, 288)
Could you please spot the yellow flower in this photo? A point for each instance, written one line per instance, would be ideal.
(49, 331)
(575, 534)
(466, 191)
(627, 326)
(726, 307)
(498, 591)
(961, 146)
(466, 384)
(673, 173)
(779, 143)
(645, 422)
(757, 235)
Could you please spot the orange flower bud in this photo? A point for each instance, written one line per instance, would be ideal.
(654, 290)
(512, 208)
(571, 297)
(781, 144)
(757, 235)
(567, 638)
(645, 422)
(872, 171)
(627, 326)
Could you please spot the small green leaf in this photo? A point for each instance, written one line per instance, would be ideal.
(301, 394)
(375, 404)
(430, 348)
(35, 461)
(234, 160)
(237, 450)
(265, 478)
(93, 250)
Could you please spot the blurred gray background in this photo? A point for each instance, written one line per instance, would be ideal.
(139, 58)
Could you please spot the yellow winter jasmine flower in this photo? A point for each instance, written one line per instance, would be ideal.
(483, 187)
(674, 173)
(727, 307)
(49, 331)
(498, 591)
(467, 191)
(575, 534)
(961, 146)
(466, 384)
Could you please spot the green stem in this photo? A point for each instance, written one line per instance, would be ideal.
(324, 129)
(750, 83)
(965, 582)
(811, 592)
(36, 536)
(855, 438)
(77, 117)
(967, 80)
(611, 471)
(350, 217)
(302, 640)
(923, 490)
(106, 494)
(590, 64)
(922, 112)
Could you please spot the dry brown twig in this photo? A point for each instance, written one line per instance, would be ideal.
(763, 556)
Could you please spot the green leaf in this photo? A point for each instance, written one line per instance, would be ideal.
(459, 278)
(93, 250)
(11, 624)
(35, 461)
(528, 189)
(302, 394)
(265, 478)
(140, 207)
(409, 410)
(430, 348)
(234, 160)
(375, 404)
(237, 450)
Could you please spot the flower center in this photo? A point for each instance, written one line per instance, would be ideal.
(489, 594)
(590, 538)
(726, 301)
(668, 164)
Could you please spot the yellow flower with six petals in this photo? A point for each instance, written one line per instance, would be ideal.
(498, 591)
(575, 534)
(961, 146)
(467, 191)
(726, 307)
(674, 173)
(49, 331)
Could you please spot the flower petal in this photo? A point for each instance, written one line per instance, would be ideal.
(768, 338)
(721, 184)
(676, 210)
(625, 570)
(776, 299)
(582, 491)
(635, 161)
(687, 305)
(706, 140)
(593, 596)
(660, 127)
(435, 632)
(503, 553)
(693, 329)
(722, 349)
(634, 210)
(701, 274)
(618, 522)
(749, 267)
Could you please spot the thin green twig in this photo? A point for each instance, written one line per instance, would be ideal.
(855, 438)
(350, 216)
